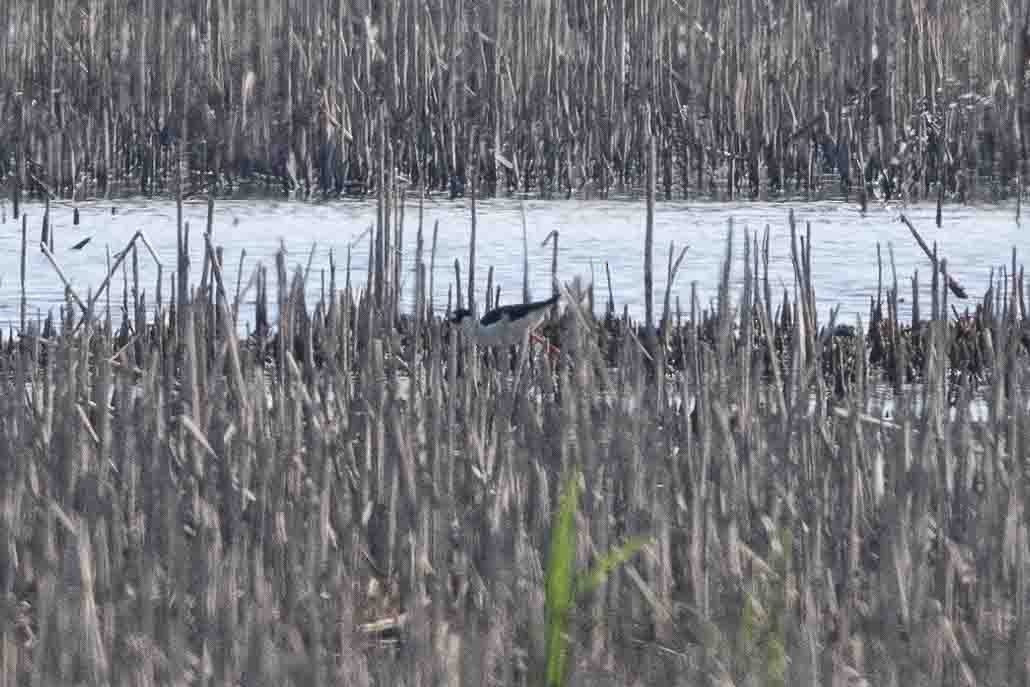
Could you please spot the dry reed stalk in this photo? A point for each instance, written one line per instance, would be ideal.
(24, 252)
(953, 285)
(472, 241)
(546, 94)
(432, 267)
(60, 275)
(552, 238)
(670, 282)
(652, 161)
(251, 503)
(525, 255)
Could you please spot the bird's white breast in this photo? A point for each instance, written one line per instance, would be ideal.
(498, 333)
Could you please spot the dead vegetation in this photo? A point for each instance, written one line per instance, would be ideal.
(900, 99)
(353, 497)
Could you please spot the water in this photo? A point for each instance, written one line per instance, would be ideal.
(844, 268)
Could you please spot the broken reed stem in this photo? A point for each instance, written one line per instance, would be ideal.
(114, 268)
(953, 285)
(671, 281)
(64, 280)
(239, 281)
(230, 331)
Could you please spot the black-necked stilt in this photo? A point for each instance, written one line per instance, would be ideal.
(504, 326)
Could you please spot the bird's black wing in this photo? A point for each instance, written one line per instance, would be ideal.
(516, 311)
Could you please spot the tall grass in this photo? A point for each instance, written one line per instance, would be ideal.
(340, 95)
(335, 500)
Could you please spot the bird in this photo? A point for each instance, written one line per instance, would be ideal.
(506, 325)
(82, 244)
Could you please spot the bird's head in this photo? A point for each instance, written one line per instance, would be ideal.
(462, 318)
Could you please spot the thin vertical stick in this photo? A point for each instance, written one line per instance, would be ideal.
(553, 239)
(239, 277)
(472, 247)
(525, 255)
(47, 223)
(457, 283)
(182, 257)
(652, 161)
(16, 189)
(419, 268)
(1019, 197)
(24, 247)
(432, 264)
(611, 296)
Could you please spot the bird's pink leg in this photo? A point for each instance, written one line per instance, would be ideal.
(551, 348)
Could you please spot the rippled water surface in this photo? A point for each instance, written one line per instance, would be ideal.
(844, 267)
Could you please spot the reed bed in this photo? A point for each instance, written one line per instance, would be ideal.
(894, 341)
(352, 497)
(552, 97)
